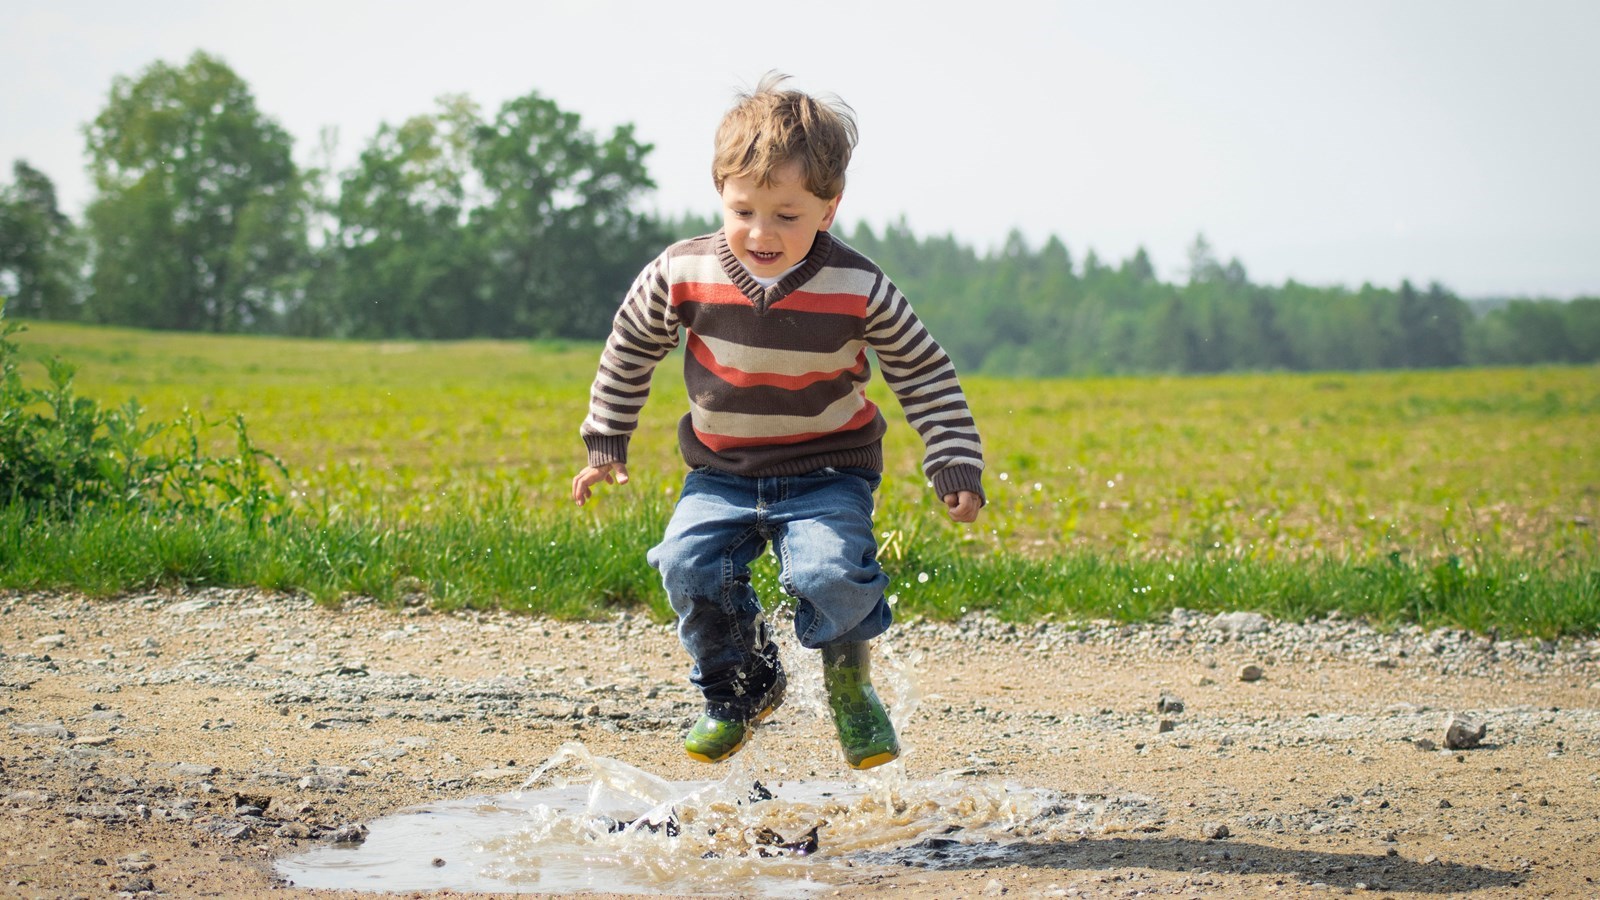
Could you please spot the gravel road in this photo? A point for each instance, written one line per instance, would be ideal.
(179, 744)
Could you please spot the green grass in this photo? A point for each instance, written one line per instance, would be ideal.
(1465, 497)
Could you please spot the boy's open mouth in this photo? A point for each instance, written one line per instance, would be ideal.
(764, 258)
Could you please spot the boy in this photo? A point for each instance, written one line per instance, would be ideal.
(782, 442)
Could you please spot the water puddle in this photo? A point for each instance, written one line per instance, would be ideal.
(591, 823)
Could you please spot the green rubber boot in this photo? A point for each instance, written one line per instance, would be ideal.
(723, 730)
(865, 732)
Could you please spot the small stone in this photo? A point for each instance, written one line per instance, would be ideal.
(296, 830)
(1237, 623)
(135, 863)
(1463, 733)
(353, 833)
(1425, 744)
(1445, 803)
(194, 770)
(41, 729)
(138, 884)
(1165, 725)
(1214, 831)
(438, 863)
(1251, 672)
(1169, 703)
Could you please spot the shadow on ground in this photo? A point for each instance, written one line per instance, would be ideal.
(1220, 857)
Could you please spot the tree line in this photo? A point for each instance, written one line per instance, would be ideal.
(523, 224)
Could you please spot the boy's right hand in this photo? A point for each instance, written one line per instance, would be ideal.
(613, 473)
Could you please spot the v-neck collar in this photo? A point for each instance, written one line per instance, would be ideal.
(764, 297)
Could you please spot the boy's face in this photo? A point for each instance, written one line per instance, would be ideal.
(771, 229)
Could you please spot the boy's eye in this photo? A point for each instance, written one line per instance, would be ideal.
(788, 218)
(742, 213)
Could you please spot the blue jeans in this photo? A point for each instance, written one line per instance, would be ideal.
(820, 525)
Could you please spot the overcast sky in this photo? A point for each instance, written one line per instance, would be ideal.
(1330, 142)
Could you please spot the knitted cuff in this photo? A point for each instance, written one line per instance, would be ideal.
(605, 449)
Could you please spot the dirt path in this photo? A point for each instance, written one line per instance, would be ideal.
(181, 744)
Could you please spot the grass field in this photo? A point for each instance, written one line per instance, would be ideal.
(1161, 491)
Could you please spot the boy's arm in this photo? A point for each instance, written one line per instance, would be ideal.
(643, 332)
(924, 380)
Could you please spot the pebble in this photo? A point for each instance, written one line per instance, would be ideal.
(1241, 623)
(1251, 672)
(194, 770)
(138, 884)
(1463, 733)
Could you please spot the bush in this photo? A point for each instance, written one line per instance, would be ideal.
(61, 453)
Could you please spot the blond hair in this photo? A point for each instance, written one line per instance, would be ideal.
(769, 128)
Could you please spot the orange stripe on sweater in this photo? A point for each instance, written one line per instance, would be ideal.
(833, 304)
(704, 292)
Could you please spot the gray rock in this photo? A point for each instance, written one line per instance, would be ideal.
(41, 729)
(1251, 672)
(136, 863)
(340, 771)
(353, 833)
(1239, 623)
(1214, 831)
(1169, 703)
(1463, 733)
(103, 811)
(194, 770)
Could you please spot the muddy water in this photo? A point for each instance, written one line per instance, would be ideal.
(599, 824)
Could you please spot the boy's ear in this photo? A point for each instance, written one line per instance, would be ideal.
(833, 210)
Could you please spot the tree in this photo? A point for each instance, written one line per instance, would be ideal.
(200, 218)
(41, 254)
(401, 258)
(560, 241)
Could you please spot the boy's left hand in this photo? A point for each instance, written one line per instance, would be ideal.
(964, 506)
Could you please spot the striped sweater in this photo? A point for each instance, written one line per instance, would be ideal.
(777, 376)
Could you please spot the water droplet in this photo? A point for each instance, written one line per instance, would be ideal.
(922, 578)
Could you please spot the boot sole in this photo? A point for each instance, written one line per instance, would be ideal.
(875, 760)
(759, 717)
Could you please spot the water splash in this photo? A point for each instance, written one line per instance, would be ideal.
(601, 824)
